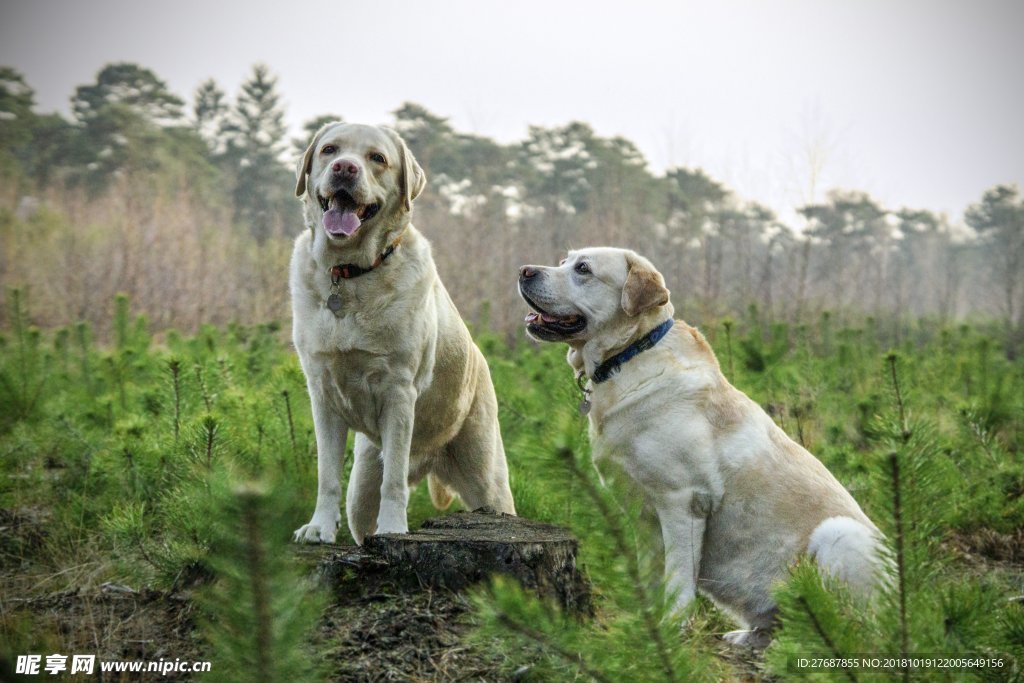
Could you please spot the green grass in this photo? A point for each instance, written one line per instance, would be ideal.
(134, 451)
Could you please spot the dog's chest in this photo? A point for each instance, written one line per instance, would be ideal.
(356, 360)
(352, 323)
(331, 334)
(353, 385)
(657, 443)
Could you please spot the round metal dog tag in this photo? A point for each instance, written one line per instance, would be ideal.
(584, 407)
(334, 303)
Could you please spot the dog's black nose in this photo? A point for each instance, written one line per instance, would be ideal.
(346, 169)
(527, 272)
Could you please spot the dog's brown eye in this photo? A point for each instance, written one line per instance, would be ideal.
(582, 268)
(378, 157)
(328, 149)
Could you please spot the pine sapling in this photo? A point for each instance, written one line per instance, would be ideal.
(23, 381)
(637, 636)
(121, 336)
(174, 367)
(204, 390)
(82, 336)
(644, 601)
(727, 325)
(898, 541)
(900, 618)
(290, 421)
(260, 612)
(209, 427)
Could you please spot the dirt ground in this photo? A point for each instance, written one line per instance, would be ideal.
(372, 630)
(112, 622)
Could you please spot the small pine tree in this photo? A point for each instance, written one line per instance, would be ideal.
(259, 612)
(918, 611)
(24, 371)
(636, 636)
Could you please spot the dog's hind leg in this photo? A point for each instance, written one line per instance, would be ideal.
(474, 465)
(363, 499)
(440, 496)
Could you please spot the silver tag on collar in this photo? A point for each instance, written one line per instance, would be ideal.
(334, 303)
(584, 407)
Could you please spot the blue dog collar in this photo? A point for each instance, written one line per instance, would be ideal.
(608, 368)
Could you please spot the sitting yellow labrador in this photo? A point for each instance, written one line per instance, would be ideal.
(737, 500)
(384, 351)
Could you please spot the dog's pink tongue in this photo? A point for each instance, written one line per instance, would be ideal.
(338, 222)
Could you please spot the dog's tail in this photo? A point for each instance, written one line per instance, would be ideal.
(440, 496)
(848, 550)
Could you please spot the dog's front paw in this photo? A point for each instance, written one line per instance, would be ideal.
(319, 530)
(402, 528)
(392, 519)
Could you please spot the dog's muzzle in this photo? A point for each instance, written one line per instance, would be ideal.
(540, 323)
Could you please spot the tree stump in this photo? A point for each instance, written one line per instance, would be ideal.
(464, 548)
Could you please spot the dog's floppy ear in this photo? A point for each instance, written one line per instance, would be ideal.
(413, 178)
(644, 288)
(305, 164)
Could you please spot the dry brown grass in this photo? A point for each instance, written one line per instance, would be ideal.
(179, 259)
(177, 252)
(184, 264)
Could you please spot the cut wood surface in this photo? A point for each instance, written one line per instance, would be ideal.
(464, 548)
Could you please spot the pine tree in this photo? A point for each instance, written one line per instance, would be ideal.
(209, 115)
(432, 139)
(999, 220)
(256, 144)
(121, 118)
(131, 86)
(16, 116)
(259, 116)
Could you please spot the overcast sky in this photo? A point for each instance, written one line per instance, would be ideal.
(918, 102)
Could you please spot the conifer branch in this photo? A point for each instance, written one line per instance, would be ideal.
(619, 535)
(291, 421)
(174, 365)
(541, 639)
(203, 389)
(904, 429)
(819, 629)
(897, 513)
(258, 581)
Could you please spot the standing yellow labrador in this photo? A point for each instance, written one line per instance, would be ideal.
(737, 500)
(384, 351)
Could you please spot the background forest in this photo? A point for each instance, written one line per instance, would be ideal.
(189, 207)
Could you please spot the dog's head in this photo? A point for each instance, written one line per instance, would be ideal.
(596, 293)
(354, 176)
